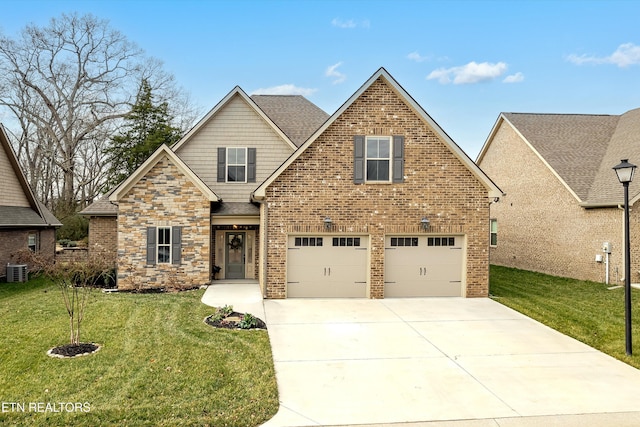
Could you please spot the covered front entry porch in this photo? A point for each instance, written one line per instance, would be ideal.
(235, 241)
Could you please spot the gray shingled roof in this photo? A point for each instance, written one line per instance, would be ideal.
(583, 148)
(101, 207)
(296, 116)
(236, 209)
(19, 216)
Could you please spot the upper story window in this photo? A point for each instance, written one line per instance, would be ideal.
(378, 157)
(236, 164)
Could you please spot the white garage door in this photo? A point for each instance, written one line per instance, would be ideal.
(327, 266)
(419, 266)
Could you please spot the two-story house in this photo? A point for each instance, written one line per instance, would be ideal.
(374, 201)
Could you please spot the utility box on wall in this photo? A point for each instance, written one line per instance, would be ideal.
(606, 247)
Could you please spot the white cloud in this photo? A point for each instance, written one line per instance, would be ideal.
(514, 78)
(289, 89)
(626, 54)
(332, 71)
(469, 73)
(337, 22)
(415, 56)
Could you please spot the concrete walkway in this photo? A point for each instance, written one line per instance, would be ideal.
(437, 362)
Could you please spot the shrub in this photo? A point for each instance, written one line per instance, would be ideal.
(74, 227)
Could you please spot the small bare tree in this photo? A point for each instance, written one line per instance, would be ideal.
(76, 280)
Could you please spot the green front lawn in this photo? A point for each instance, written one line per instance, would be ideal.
(160, 364)
(586, 311)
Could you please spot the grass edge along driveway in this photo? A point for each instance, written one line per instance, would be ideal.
(584, 310)
(160, 364)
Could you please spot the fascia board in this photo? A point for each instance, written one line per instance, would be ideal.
(13, 160)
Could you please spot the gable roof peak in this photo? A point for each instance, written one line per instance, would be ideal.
(493, 190)
(121, 189)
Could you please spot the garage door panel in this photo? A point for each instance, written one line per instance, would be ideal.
(336, 268)
(423, 266)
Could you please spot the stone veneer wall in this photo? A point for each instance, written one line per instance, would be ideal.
(103, 237)
(437, 185)
(541, 226)
(163, 197)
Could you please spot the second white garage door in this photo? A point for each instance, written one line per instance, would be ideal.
(327, 266)
(421, 266)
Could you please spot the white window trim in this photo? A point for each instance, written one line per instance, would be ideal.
(158, 244)
(35, 242)
(491, 232)
(367, 158)
(245, 164)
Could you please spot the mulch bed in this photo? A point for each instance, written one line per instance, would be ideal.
(232, 322)
(73, 350)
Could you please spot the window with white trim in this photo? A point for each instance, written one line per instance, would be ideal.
(236, 164)
(32, 242)
(378, 158)
(164, 245)
(494, 232)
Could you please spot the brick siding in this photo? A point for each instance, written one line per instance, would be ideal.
(319, 183)
(16, 240)
(542, 227)
(103, 237)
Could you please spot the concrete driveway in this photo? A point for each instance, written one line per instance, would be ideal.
(427, 360)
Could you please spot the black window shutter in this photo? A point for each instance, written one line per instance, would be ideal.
(176, 245)
(151, 245)
(222, 163)
(251, 165)
(358, 159)
(398, 158)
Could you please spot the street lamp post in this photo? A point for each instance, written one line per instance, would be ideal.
(625, 171)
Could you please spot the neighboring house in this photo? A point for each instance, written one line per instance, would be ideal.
(374, 201)
(563, 209)
(25, 223)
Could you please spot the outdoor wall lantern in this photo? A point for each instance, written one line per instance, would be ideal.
(625, 171)
(425, 223)
(327, 223)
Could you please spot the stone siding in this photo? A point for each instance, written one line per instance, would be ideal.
(541, 225)
(437, 185)
(163, 197)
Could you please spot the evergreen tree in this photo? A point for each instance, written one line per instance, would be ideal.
(146, 128)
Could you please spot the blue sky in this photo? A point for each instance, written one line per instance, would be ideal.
(464, 62)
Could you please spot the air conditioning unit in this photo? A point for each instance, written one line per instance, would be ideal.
(16, 273)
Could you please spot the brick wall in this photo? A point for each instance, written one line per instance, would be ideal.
(319, 183)
(163, 197)
(541, 226)
(103, 237)
(16, 240)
